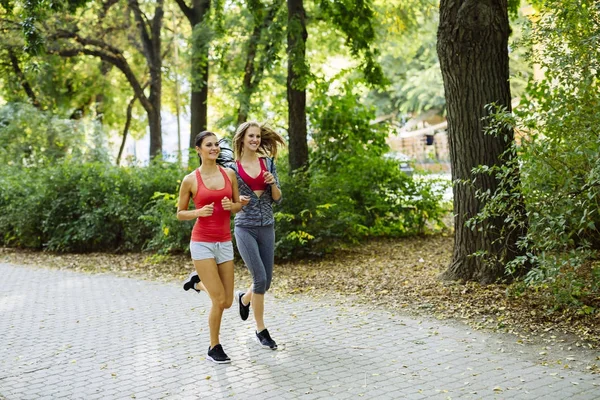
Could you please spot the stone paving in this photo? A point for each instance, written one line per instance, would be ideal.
(67, 335)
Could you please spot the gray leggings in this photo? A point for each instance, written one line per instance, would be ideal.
(256, 245)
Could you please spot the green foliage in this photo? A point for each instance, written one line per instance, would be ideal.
(78, 207)
(169, 235)
(356, 19)
(34, 11)
(351, 191)
(557, 169)
(409, 60)
(30, 137)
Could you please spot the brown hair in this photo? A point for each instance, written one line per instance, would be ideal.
(269, 139)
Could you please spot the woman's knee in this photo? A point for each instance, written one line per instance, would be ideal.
(227, 302)
(222, 301)
(260, 286)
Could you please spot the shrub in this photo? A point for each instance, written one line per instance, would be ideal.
(81, 207)
(350, 191)
(557, 164)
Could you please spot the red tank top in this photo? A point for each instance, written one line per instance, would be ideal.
(257, 183)
(215, 228)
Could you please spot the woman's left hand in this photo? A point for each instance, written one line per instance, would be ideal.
(269, 178)
(226, 203)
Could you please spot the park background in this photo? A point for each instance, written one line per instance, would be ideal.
(100, 101)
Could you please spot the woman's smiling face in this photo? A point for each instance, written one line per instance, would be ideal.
(209, 148)
(252, 138)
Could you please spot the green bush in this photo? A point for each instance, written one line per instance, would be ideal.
(350, 191)
(169, 235)
(81, 207)
(556, 169)
(30, 137)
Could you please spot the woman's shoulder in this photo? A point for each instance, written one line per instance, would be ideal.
(231, 173)
(233, 165)
(189, 179)
(267, 160)
(191, 175)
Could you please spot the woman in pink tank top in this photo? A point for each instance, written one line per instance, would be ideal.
(214, 191)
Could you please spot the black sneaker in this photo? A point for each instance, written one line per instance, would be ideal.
(265, 340)
(190, 282)
(244, 309)
(217, 355)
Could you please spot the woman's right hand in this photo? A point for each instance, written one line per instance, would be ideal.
(206, 211)
(244, 200)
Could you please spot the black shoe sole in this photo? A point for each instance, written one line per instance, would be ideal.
(209, 358)
(265, 345)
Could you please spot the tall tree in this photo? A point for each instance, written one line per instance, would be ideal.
(71, 43)
(150, 31)
(263, 45)
(197, 15)
(473, 52)
(297, 78)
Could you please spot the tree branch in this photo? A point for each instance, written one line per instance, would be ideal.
(63, 34)
(143, 29)
(116, 60)
(126, 128)
(187, 11)
(14, 61)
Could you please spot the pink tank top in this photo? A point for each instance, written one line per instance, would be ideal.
(257, 183)
(215, 228)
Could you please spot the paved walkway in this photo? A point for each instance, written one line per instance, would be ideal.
(78, 336)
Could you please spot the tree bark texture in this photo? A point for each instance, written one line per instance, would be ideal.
(151, 42)
(197, 15)
(473, 52)
(296, 85)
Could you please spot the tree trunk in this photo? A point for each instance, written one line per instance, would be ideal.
(154, 116)
(199, 104)
(197, 15)
(296, 85)
(473, 53)
(151, 43)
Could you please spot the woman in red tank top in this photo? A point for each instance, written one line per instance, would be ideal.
(214, 191)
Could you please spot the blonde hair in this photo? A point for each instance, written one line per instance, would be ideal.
(269, 139)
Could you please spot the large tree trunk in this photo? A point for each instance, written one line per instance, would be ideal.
(199, 102)
(197, 15)
(473, 52)
(151, 43)
(296, 84)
